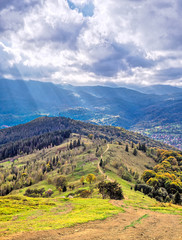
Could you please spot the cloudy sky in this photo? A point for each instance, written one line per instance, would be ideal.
(86, 42)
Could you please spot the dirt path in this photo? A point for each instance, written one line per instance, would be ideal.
(100, 169)
(155, 225)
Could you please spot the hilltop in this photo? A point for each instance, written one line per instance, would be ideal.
(27, 134)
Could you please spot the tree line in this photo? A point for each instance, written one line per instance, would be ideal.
(35, 143)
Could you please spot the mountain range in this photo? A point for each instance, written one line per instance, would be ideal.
(158, 105)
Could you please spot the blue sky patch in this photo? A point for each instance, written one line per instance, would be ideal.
(87, 10)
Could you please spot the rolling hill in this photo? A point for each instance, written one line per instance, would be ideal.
(49, 190)
(44, 125)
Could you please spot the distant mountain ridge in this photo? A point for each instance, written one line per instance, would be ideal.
(27, 98)
(23, 101)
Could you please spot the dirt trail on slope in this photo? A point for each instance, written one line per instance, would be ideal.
(100, 169)
(156, 226)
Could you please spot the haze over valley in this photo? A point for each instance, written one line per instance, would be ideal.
(154, 111)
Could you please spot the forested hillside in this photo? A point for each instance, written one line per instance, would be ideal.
(44, 125)
(27, 146)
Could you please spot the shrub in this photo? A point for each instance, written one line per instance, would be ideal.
(143, 188)
(110, 189)
(34, 192)
(85, 194)
(148, 174)
(177, 198)
(61, 182)
(127, 176)
(81, 193)
(161, 192)
(48, 193)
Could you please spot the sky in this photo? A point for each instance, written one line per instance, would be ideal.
(91, 42)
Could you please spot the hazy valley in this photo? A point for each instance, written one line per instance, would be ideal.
(147, 110)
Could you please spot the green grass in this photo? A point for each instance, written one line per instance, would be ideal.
(136, 222)
(138, 199)
(41, 184)
(19, 214)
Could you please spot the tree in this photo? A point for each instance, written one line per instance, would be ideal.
(78, 143)
(110, 189)
(90, 178)
(148, 174)
(64, 189)
(177, 198)
(142, 147)
(135, 152)
(136, 176)
(71, 145)
(74, 143)
(153, 181)
(61, 182)
(101, 163)
(82, 179)
(126, 148)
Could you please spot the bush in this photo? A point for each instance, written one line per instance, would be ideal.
(85, 194)
(48, 193)
(34, 192)
(127, 176)
(61, 182)
(177, 198)
(148, 174)
(110, 189)
(81, 193)
(162, 192)
(143, 188)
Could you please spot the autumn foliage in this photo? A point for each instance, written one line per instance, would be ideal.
(167, 174)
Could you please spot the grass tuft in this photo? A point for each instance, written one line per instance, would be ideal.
(136, 222)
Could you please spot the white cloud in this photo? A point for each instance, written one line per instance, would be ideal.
(129, 41)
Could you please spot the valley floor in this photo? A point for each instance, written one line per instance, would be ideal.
(134, 224)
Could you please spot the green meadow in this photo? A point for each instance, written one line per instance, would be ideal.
(19, 213)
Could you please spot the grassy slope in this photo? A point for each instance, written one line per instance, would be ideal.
(57, 212)
(136, 163)
(32, 214)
